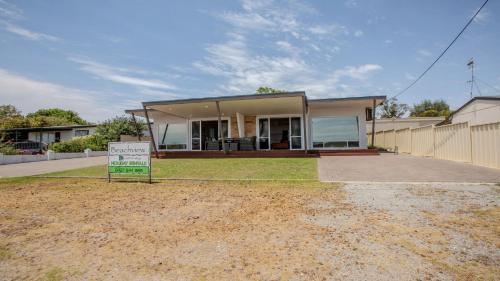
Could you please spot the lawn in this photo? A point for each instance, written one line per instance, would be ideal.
(226, 168)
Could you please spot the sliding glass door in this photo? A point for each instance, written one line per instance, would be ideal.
(279, 133)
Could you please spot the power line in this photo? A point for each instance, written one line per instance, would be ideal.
(445, 50)
(489, 85)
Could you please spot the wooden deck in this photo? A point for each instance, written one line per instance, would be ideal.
(265, 153)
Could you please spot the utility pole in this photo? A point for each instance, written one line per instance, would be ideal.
(470, 64)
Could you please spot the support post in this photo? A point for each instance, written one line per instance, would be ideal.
(304, 122)
(373, 121)
(150, 131)
(136, 127)
(41, 139)
(219, 121)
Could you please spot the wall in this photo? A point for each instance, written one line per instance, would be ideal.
(462, 142)
(332, 111)
(479, 112)
(15, 159)
(234, 126)
(385, 124)
(250, 126)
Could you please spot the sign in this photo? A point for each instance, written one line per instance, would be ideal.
(129, 158)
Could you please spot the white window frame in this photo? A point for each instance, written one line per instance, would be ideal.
(289, 116)
(311, 141)
(190, 132)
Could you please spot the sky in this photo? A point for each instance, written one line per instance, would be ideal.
(101, 57)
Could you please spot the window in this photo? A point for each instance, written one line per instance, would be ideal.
(263, 133)
(333, 132)
(172, 136)
(79, 133)
(295, 136)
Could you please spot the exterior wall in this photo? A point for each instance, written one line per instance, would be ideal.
(333, 111)
(50, 136)
(478, 112)
(250, 126)
(234, 127)
(385, 124)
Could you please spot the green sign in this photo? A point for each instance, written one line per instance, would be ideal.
(129, 158)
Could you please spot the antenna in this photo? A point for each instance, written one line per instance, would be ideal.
(470, 65)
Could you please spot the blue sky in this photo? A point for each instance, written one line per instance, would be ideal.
(101, 57)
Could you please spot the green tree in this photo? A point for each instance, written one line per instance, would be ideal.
(8, 110)
(58, 117)
(392, 109)
(111, 129)
(268, 90)
(428, 108)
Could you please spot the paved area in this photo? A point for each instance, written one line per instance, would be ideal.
(42, 167)
(402, 168)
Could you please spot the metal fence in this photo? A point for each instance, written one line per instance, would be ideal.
(476, 144)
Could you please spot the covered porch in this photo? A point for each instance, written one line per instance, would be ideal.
(267, 122)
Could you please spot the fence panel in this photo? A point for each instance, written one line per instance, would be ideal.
(452, 142)
(379, 139)
(403, 140)
(389, 140)
(422, 141)
(485, 141)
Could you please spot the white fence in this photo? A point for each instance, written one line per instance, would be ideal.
(477, 144)
(15, 159)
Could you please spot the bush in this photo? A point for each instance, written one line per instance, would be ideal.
(93, 142)
(7, 149)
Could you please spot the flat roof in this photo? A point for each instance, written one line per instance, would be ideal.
(228, 98)
(348, 99)
(52, 128)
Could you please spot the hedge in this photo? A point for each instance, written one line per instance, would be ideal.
(93, 142)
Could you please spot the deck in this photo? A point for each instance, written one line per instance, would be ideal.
(265, 153)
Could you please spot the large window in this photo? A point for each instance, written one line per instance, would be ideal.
(172, 136)
(332, 132)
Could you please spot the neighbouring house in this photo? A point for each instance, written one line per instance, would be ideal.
(478, 110)
(268, 122)
(386, 124)
(40, 137)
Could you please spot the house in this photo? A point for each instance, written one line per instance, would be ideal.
(265, 122)
(386, 124)
(47, 135)
(478, 110)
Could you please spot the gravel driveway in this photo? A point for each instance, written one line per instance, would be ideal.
(402, 168)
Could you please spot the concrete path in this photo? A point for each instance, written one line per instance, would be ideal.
(42, 167)
(402, 168)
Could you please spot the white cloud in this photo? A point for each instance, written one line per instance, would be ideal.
(28, 34)
(331, 29)
(245, 71)
(410, 76)
(388, 41)
(424, 53)
(8, 10)
(358, 33)
(482, 17)
(30, 95)
(121, 75)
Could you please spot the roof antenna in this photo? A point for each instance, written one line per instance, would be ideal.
(470, 64)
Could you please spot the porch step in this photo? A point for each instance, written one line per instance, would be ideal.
(265, 154)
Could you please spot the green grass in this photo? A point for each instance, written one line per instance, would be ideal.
(55, 274)
(225, 168)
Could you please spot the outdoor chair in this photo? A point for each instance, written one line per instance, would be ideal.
(212, 145)
(247, 143)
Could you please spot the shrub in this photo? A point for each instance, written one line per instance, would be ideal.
(93, 142)
(7, 149)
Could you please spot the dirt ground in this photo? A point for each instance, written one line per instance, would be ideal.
(90, 230)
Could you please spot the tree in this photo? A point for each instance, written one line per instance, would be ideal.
(428, 108)
(268, 90)
(57, 117)
(111, 129)
(9, 110)
(392, 109)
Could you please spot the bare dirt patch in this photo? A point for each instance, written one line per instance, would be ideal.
(90, 230)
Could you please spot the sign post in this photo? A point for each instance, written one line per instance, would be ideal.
(129, 158)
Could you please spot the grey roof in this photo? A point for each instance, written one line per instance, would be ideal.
(228, 98)
(348, 99)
